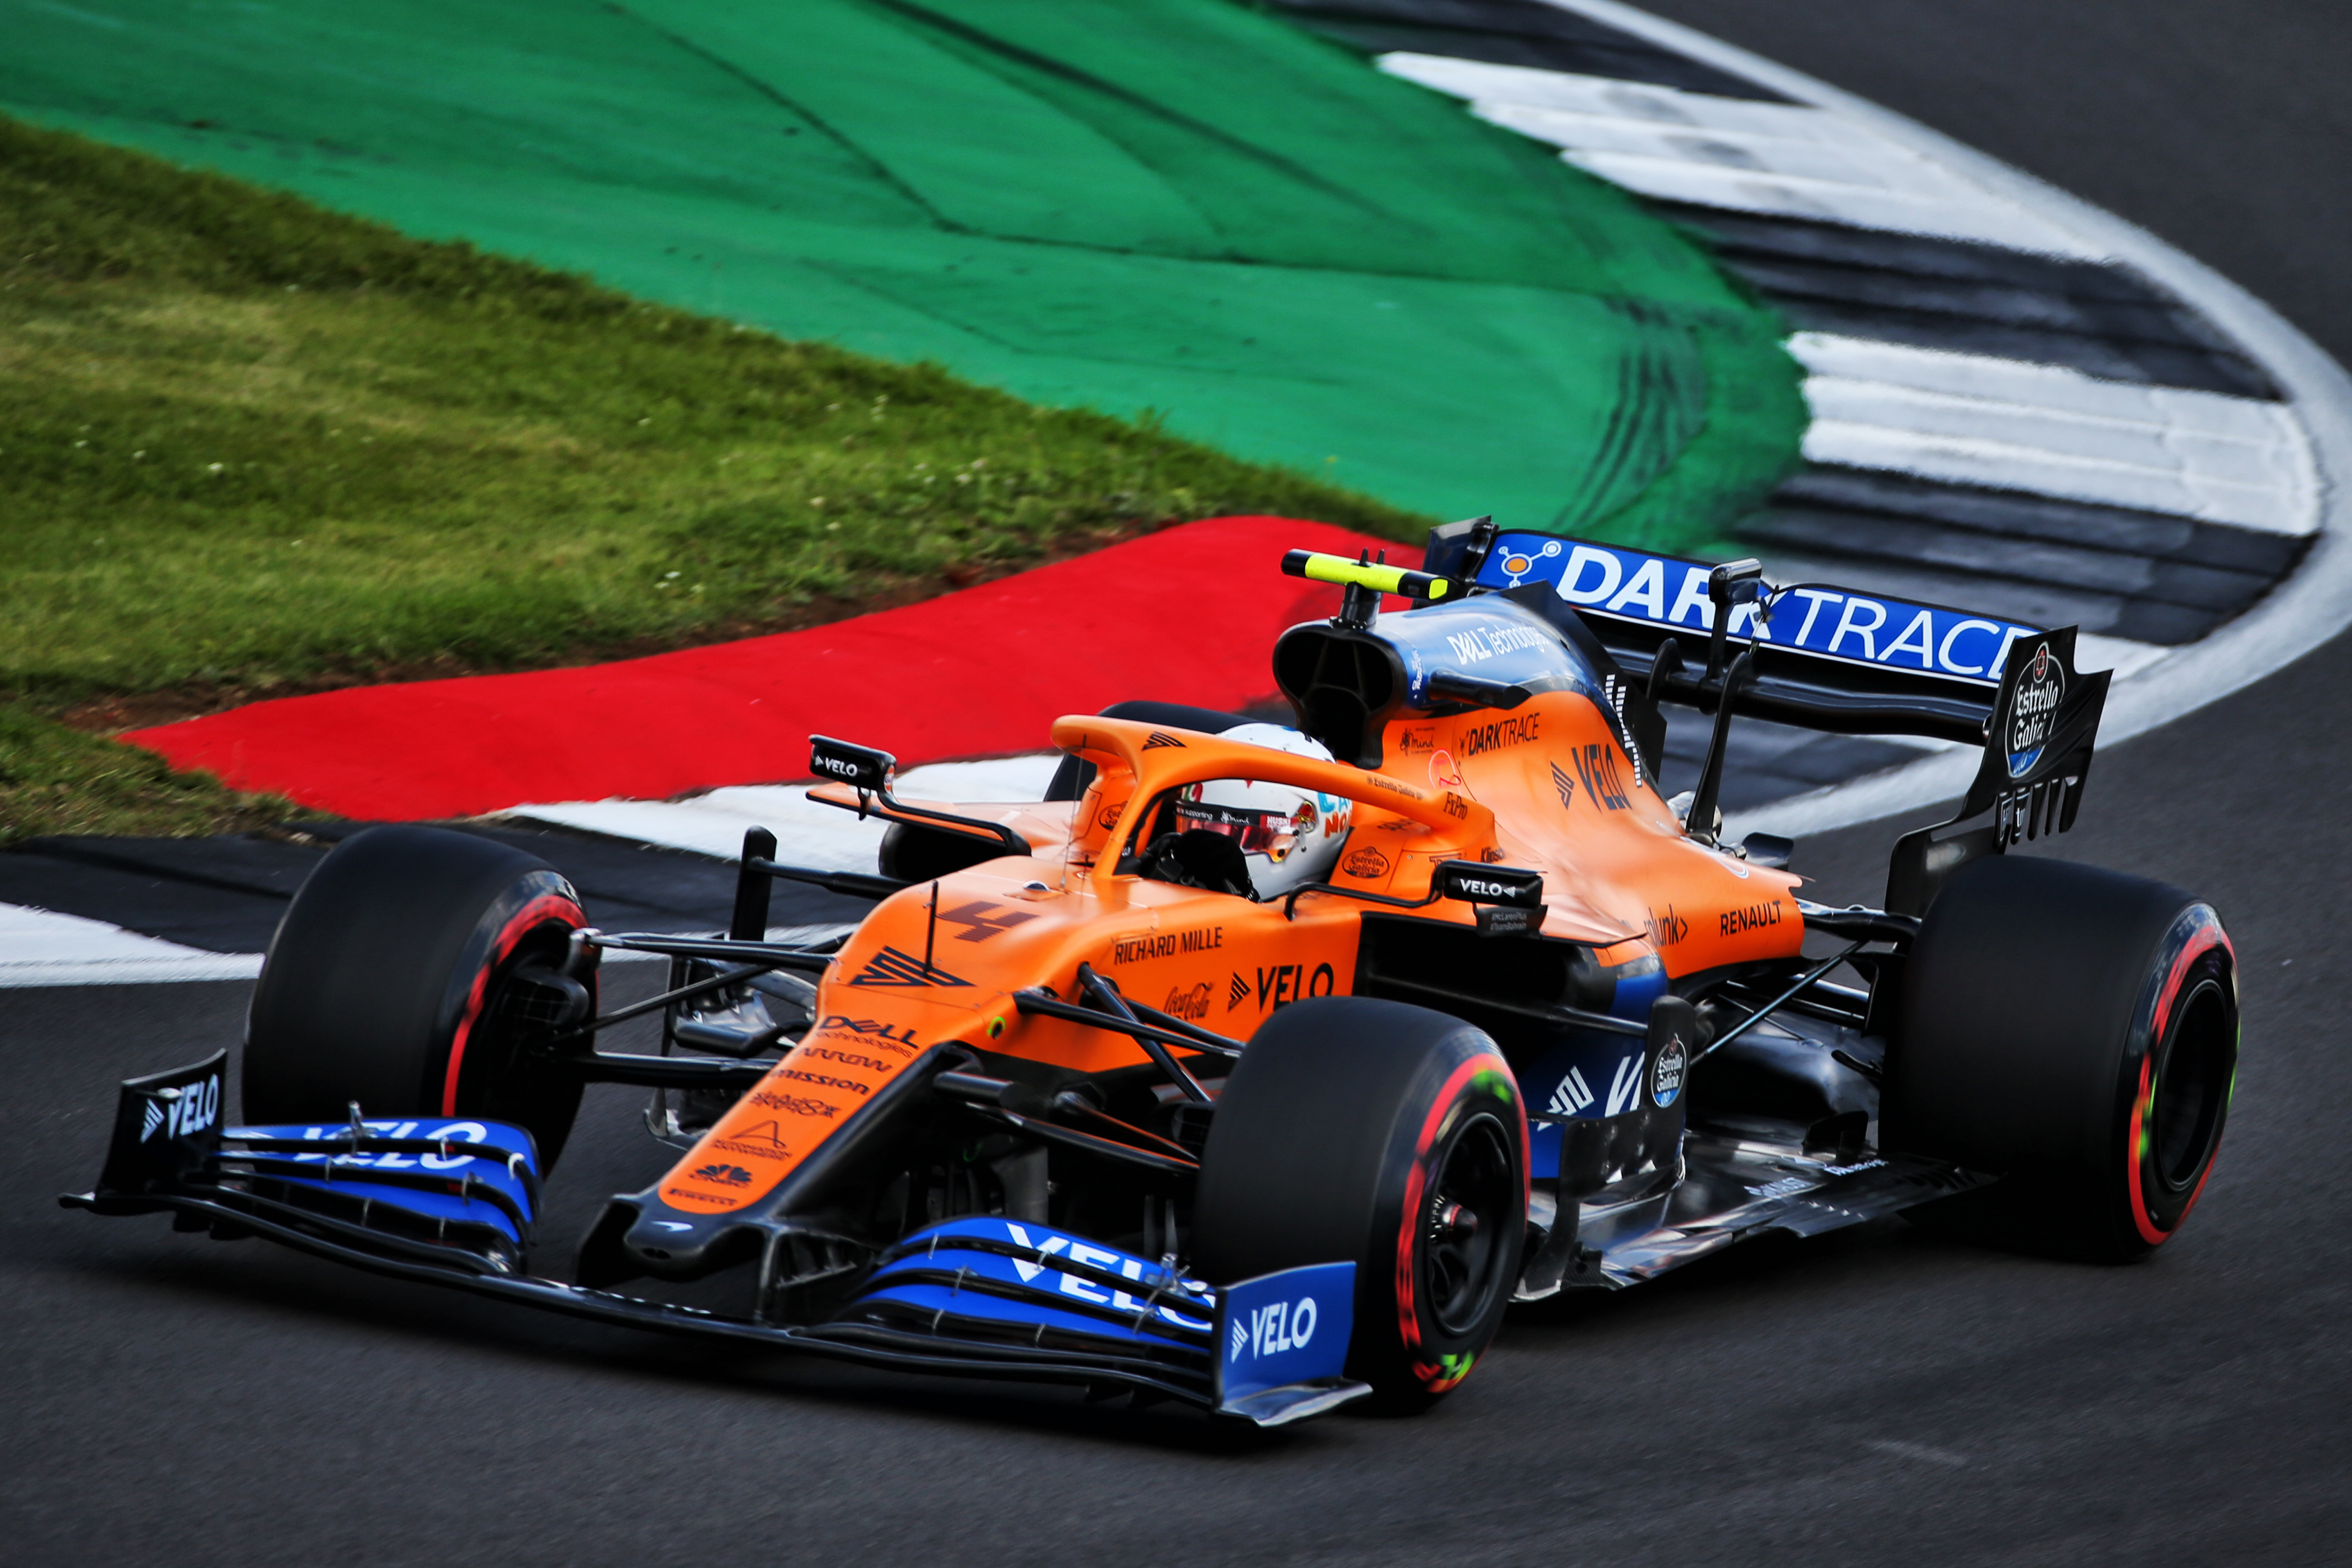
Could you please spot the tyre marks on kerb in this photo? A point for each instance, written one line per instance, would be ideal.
(2011, 412)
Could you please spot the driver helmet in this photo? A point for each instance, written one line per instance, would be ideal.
(1287, 836)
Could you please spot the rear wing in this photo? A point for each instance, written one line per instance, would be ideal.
(1825, 657)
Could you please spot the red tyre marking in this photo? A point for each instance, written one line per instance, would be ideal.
(1408, 1310)
(546, 907)
(2209, 937)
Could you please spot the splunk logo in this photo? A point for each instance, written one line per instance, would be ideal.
(1271, 1329)
(176, 1112)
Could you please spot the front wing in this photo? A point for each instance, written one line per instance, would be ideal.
(453, 1202)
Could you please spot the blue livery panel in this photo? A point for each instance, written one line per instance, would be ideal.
(1284, 1332)
(1022, 1267)
(1824, 622)
(491, 1154)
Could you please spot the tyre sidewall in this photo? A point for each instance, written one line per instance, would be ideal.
(2042, 1000)
(1328, 1137)
(2194, 957)
(380, 985)
(480, 1066)
(1401, 1342)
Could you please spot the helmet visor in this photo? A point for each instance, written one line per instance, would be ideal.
(1268, 832)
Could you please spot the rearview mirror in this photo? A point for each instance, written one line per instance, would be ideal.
(1509, 899)
(861, 767)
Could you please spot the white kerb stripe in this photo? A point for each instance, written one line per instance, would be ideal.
(2001, 465)
(40, 947)
(1609, 97)
(807, 833)
(2042, 386)
(1861, 162)
(2270, 463)
(1784, 160)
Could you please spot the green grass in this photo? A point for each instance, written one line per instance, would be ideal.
(248, 445)
(56, 779)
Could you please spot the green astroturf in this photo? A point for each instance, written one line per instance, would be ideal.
(1184, 206)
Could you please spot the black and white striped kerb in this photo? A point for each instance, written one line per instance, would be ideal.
(2004, 417)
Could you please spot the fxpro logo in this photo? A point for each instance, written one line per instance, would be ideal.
(180, 1111)
(1269, 1330)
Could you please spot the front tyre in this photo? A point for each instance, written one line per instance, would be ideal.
(1390, 1136)
(2073, 1031)
(387, 984)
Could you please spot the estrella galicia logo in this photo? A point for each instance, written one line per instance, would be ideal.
(2033, 711)
(187, 1110)
(1666, 1073)
(1272, 1329)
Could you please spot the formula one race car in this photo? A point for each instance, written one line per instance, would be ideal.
(1262, 1067)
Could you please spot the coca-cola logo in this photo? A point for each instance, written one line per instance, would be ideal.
(1192, 1004)
(2033, 709)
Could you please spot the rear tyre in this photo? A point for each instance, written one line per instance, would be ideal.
(386, 981)
(2073, 1031)
(1390, 1136)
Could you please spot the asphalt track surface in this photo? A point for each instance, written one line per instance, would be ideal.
(1867, 1397)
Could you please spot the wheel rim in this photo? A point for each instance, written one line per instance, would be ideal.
(495, 1070)
(2193, 1086)
(1472, 1194)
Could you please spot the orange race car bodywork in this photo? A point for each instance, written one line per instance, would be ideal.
(942, 962)
(983, 1136)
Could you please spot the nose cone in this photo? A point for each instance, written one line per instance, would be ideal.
(642, 1235)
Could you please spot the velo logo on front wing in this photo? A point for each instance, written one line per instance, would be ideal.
(189, 1110)
(1270, 1329)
